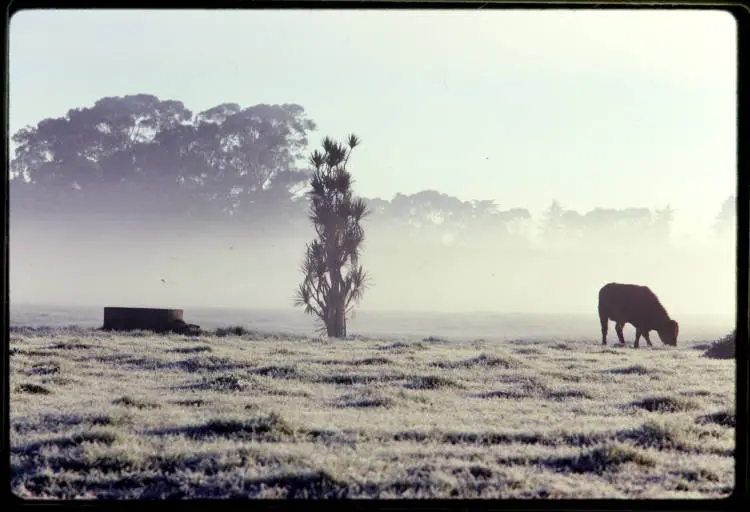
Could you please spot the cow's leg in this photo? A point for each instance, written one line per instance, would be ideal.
(618, 330)
(637, 337)
(604, 321)
(645, 337)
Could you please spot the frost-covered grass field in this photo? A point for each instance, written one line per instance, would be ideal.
(102, 415)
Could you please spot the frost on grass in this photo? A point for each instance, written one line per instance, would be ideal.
(237, 414)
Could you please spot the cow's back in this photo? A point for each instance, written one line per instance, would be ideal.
(630, 303)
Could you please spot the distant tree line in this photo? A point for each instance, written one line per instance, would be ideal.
(141, 156)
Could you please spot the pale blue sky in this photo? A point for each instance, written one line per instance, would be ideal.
(609, 109)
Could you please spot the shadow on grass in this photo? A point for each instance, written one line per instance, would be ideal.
(401, 347)
(253, 335)
(697, 392)
(54, 422)
(724, 418)
(370, 361)
(127, 401)
(528, 351)
(33, 389)
(169, 485)
(226, 383)
(268, 429)
(599, 460)
(654, 435)
(106, 438)
(632, 370)
(43, 369)
(191, 365)
(70, 346)
(190, 350)
(276, 372)
(354, 378)
(432, 382)
(470, 438)
(190, 403)
(666, 404)
(562, 346)
(364, 400)
(30, 353)
(367, 403)
(507, 394)
(568, 393)
(483, 360)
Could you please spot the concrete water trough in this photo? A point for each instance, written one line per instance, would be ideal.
(147, 319)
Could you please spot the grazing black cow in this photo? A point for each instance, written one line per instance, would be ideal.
(638, 306)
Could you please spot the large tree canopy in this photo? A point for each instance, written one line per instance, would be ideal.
(142, 150)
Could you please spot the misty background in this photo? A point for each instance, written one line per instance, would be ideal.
(514, 162)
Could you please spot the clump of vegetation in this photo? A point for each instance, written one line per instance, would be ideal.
(198, 402)
(481, 360)
(235, 330)
(601, 459)
(334, 280)
(228, 382)
(44, 369)
(371, 361)
(348, 379)
(725, 418)
(723, 348)
(666, 404)
(71, 346)
(365, 399)
(132, 402)
(631, 370)
(268, 428)
(34, 389)
(563, 346)
(191, 350)
(569, 393)
(651, 434)
(432, 382)
(277, 372)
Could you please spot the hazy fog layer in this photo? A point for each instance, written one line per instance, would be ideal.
(99, 263)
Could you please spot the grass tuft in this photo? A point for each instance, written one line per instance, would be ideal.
(631, 370)
(229, 382)
(669, 404)
(432, 382)
(235, 330)
(271, 428)
(191, 350)
(277, 372)
(33, 389)
(723, 348)
(724, 418)
(482, 360)
(132, 402)
(599, 460)
(371, 361)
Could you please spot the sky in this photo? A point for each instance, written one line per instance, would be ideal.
(592, 109)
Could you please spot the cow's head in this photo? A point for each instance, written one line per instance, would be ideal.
(668, 334)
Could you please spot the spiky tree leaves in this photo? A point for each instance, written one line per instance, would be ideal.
(334, 281)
